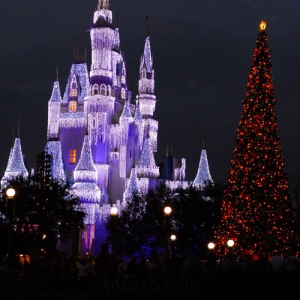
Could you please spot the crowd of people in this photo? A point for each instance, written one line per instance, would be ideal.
(166, 274)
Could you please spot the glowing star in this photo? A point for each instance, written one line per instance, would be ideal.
(263, 25)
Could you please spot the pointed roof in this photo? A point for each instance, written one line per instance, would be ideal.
(80, 71)
(146, 166)
(146, 59)
(137, 114)
(56, 96)
(132, 186)
(126, 114)
(54, 148)
(15, 165)
(203, 173)
(117, 44)
(85, 171)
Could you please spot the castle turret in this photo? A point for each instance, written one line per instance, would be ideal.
(54, 111)
(15, 166)
(132, 187)
(203, 173)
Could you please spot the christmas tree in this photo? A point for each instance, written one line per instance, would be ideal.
(256, 209)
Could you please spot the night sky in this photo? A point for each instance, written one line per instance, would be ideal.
(202, 56)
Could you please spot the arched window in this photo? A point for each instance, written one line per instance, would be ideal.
(103, 89)
(109, 90)
(95, 89)
(72, 106)
(72, 156)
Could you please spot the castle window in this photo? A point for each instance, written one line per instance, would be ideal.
(72, 106)
(95, 89)
(72, 156)
(144, 74)
(73, 93)
(109, 90)
(103, 89)
(122, 93)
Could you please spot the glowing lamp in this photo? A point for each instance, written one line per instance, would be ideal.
(211, 246)
(173, 237)
(113, 211)
(167, 210)
(230, 243)
(10, 193)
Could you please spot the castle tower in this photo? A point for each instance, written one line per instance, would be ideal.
(85, 187)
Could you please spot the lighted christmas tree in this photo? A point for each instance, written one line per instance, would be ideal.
(256, 210)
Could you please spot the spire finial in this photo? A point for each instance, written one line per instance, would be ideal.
(167, 150)
(57, 72)
(18, 126)
(203, 139)
(103, 4)
(147, 26)
(117, 18)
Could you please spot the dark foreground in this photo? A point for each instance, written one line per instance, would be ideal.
(217, 285)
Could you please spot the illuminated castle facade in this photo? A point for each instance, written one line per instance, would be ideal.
(102, 142)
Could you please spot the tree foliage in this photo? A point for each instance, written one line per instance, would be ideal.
(40, 215)
(142, 224)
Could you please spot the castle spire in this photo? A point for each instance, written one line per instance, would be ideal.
(146, 166)
(132, 187)
(147, 26)
(103, 4)
(15, 165)
(203, 174)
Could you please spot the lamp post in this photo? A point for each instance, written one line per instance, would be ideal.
(114, 218)
(173, 239)
(167, 213)
(10, 206)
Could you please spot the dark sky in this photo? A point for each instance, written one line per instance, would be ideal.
(202, 56)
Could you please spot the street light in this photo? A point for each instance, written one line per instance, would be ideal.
(114, 218)
(173, 239)
(211, 246)
(10, 206)
(230, 243)
(167, 213)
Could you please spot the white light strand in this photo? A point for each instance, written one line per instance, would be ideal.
(203, 173)
(138, 120)
(102, 42)
(85, 171)
(115, 136)
(54, 148)
(146, 166)
(72, 120)
(147, 105)
(123, 161)
(147, 56)
(132, 186)
(175, 185)
(114, 157)
(87, 192)
(143, 184)
(102, 171)
(100, 103)
(105, 13)
(15, 166)
(98, 127)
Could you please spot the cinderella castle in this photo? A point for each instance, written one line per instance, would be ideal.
(102, 142)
